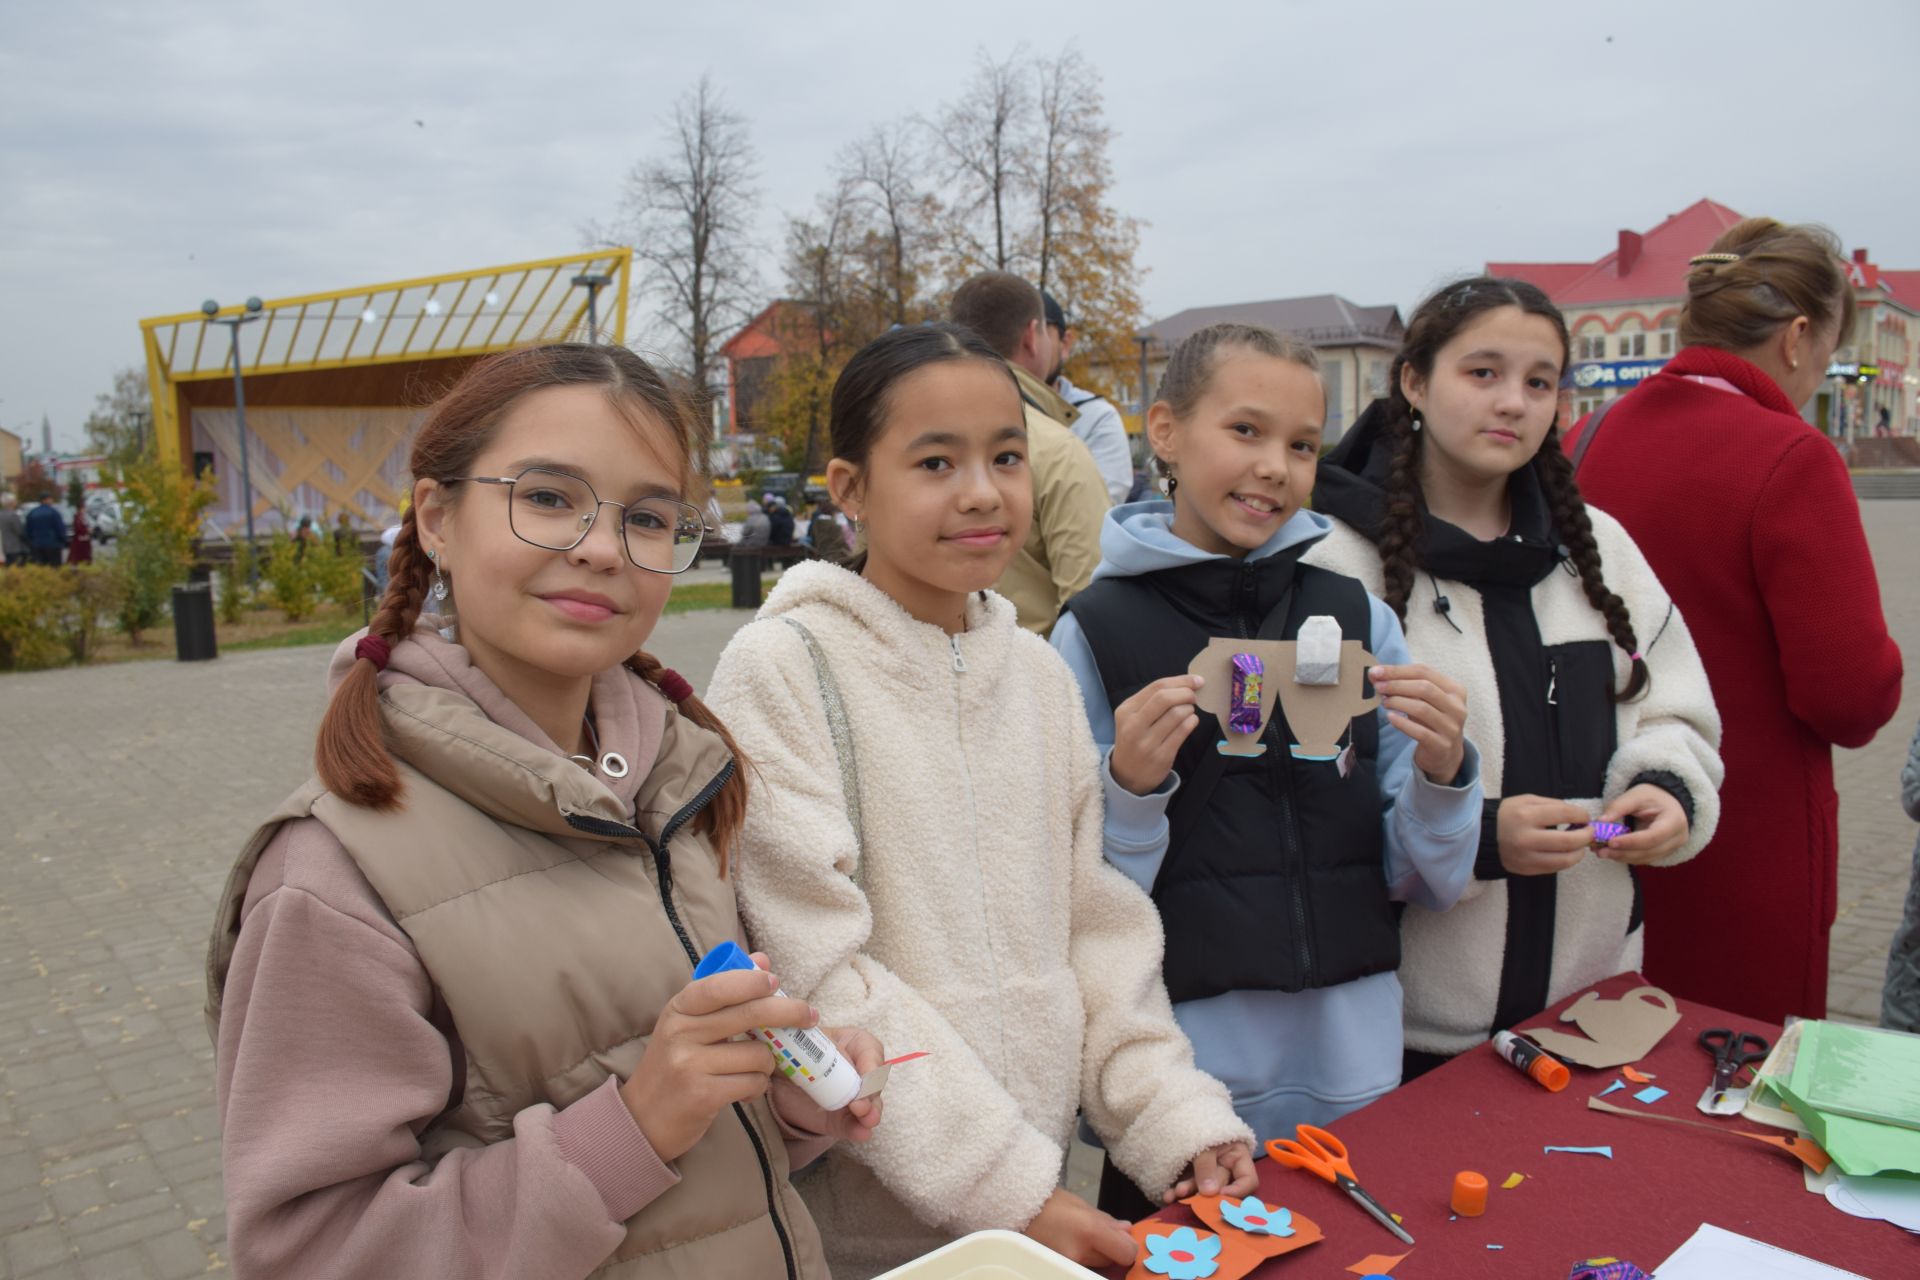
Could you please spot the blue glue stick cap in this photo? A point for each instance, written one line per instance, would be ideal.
(722, 958)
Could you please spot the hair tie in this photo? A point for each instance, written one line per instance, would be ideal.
(374, 649)
(674, 685)
(1634, 656)
(1702, 259)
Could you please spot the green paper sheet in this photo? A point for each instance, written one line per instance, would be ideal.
(1860, 1147)
(1860, 1072)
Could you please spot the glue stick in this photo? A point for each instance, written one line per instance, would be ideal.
(1547, 1071)
(805, 1057)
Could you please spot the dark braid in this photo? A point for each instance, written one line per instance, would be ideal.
(721, 820)
(1401, 521)
(1570, 521)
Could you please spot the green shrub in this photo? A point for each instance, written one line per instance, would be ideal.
(289, 576)
(162, 506)
(236, 584)
(49, 617)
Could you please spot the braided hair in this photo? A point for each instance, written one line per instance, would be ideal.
(1434, 324)
(351, 753)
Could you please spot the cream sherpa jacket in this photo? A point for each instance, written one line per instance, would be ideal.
(983, 925)
(1451, 964)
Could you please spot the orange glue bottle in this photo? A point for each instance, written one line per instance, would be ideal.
(1547, 1071)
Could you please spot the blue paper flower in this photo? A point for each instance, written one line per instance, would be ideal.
(1257, 1219)
(1183, 1255)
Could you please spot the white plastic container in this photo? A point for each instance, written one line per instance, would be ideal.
(807, 1058)
(992, 1255)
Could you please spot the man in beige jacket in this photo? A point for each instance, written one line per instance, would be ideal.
(1069, 496)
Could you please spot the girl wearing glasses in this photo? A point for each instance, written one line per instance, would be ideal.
(450, 979)
(923, 850)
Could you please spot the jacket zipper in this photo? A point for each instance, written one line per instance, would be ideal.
(1553, 724)
(1281, 770)
(973, 833)
(663, 866)
(959, 663)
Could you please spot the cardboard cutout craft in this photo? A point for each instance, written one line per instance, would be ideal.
(1617, 1031)
(1317, 714)
(1301, 1231)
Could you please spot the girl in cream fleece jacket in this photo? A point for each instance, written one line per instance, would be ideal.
(967, 910)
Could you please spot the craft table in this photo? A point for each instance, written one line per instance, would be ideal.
(1663, 1180)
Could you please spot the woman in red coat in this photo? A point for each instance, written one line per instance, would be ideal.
(80, 549)
(1749, 518)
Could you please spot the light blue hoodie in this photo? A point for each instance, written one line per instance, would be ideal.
(1303, 1057)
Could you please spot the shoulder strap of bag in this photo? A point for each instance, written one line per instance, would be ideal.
(1593, 429)
(842, 734)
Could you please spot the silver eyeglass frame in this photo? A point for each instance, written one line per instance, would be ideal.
(588, 521)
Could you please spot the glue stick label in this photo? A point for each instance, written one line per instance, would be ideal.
(806, 1057)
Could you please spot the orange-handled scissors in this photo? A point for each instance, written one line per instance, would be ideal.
(1322, 1154)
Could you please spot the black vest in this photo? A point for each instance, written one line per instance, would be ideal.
(1275, 874)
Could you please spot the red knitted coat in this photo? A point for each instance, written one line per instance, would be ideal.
(1749, 518)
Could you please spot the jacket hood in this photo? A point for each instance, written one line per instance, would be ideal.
(889, 638)
(445, 718)
(1351, 487)
(1138, 538)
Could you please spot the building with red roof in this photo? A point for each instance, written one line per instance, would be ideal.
(1623, 311)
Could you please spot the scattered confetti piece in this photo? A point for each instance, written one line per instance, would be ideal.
(1617, 1084)
(1397, 1218)
(1453, 1217)
(1496, 1246)
(1651, 1094)
(1638, 1077)
(1377, 1263)
(1513, 1180)
(1584, 1151)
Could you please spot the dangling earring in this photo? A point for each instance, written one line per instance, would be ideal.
(1417, 420)
(439, 577)
(1173, 482)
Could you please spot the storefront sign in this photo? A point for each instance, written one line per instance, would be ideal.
(1614, 373)
(1851, 369)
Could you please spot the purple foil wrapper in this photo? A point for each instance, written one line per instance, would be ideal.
(1605, 831)
(1243, 706)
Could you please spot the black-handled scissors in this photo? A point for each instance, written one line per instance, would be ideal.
(1732, 1052)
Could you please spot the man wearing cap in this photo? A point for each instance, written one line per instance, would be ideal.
(1069, 496)
(1098, 426)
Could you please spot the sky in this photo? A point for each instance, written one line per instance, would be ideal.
(153, 155)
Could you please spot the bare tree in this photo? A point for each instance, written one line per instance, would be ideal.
(884, 173)
(122, 418)
(1068, 150)
(982, 136)
(688, 214)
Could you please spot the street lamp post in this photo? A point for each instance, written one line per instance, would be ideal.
(211, 310)
(593, 284)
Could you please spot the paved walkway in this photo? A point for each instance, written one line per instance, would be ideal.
(126, 791)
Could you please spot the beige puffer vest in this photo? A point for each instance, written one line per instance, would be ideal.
(556, 926)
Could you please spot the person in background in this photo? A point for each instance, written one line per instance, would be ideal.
(1069, 496)
(779, 522)
(826, 534)
(1900, 1000)
(80, 546)
(1748, 517)
(46, 533)
(345, 538)
(757, 529)
(13, 531)
(1098, 425)
(303, 536)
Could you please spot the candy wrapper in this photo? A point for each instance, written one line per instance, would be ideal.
(1605, 831)
(1606, 1269)
(1243, 710)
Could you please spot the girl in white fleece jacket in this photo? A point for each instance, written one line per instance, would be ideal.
(1455, 503)
(939, 877)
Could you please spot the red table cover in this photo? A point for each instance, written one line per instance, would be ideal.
(1663, 1180)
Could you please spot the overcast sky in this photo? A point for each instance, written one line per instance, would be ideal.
(155, 154)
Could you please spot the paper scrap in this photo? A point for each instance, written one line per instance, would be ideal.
(1617, 1084)
(1803, 1149)
(1378, 1262)
(1651, 1094)
(1396, 1217)
(1638, 1077)
(876, 1080)
(1584, 1151)
(1513, 1180)
(1897, 1200)
(1712, 1253)
(1617, 1031)
(1496, 1246)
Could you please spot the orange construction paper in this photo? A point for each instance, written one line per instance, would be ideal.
(1378, 1263)
(1638, 1077)
(1234, 1261)
(1305, 1230)
(1805, 1150)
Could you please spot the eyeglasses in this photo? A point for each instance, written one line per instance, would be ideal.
(556, 511)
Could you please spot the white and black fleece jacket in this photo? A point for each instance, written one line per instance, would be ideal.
(1539, 668)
